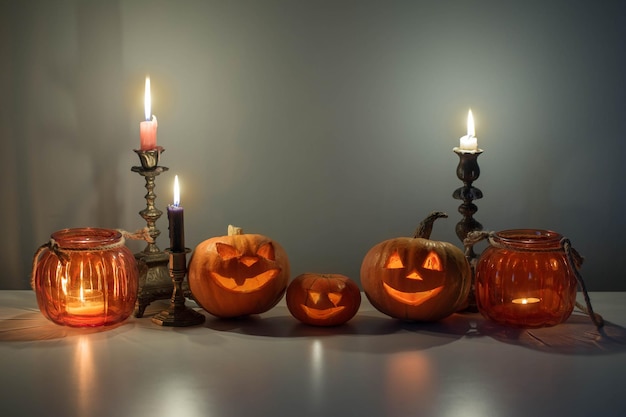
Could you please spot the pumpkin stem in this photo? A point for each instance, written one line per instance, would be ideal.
(234, 230)
(425, 228)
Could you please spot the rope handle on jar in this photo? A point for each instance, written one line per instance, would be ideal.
(139, 234)
(573, 257)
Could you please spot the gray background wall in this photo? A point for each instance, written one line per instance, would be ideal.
(327, 125)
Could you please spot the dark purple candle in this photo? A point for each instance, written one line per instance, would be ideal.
(176, 223)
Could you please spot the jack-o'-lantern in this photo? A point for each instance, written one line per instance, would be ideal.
(416, 278)
(323, 299)
(239, 274)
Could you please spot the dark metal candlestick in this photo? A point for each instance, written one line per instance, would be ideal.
(178, 315)
(155, 283)
(468, 171)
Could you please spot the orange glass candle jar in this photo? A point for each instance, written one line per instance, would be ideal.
(524, 279)
(85, 277)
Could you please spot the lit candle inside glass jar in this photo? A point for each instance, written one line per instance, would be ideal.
(85, 303)
(524, 301)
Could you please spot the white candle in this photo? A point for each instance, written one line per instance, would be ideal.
(524, 301)
(469, 142)
(85, 303)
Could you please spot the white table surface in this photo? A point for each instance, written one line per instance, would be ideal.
(271, 365)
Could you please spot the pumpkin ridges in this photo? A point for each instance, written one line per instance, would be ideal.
(305, 284)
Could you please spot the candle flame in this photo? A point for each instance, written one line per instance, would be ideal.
(176, 191)
(64, 284)
(470, 124)
(524, 301)
(147, 99)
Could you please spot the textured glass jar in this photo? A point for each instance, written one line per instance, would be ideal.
(85, 277)
(524, 279)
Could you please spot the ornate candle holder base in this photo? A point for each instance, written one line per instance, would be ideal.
(178, 315)
(155, 282)
(468, 171)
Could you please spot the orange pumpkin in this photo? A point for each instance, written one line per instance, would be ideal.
(323, 299)
(239, 274)
(416, 278)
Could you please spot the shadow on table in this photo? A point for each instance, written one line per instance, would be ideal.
(408, 335)
(33, 326)
(577, 336)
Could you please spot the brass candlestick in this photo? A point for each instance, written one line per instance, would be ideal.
(468, 171)
(178, 314)
(155, 283)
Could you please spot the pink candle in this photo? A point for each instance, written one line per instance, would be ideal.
(176, 223)
(148, 129)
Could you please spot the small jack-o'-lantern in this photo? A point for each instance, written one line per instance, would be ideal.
(239, 274)
(416, 278)
(323, 299)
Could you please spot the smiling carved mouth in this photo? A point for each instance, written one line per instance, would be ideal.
(412, 298)
(318, 314)
(249, 284)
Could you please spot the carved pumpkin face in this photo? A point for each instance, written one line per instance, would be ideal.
(323, 299)
(245, 271)
(412, 279)
(416, 278)
(238, 275)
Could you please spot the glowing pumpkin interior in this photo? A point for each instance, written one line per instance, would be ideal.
(322, 305)
(245, 272)
(429, 273)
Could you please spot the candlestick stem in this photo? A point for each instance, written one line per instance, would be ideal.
(178, 314)
(468, 171)
(151, 214)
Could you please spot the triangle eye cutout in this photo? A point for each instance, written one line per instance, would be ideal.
(225, 251)
(335, 297)
(394, 261)
(315, 296)
(433, 262)
(267, 251)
